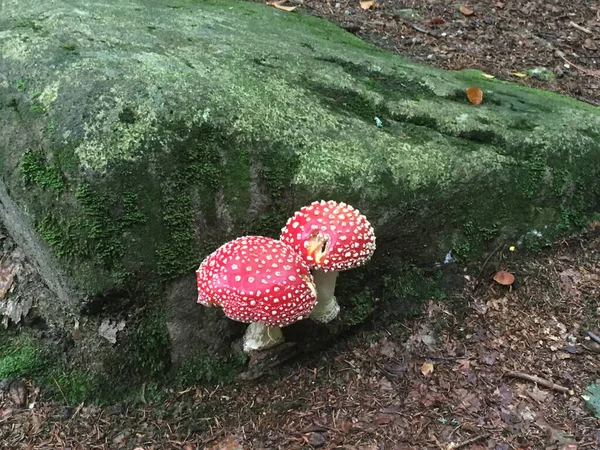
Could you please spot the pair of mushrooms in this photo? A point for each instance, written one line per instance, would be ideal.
(273, 283)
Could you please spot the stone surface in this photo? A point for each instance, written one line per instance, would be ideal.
(137, 138)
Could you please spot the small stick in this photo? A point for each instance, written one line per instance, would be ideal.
(469, 441)
(487, 260)
(540, 381)
(580, 28)
(593, 337)
(594, 73)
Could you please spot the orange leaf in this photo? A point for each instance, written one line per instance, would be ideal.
(504, 278)
(475, 95)
(427, 368)
(466, 11)
(368, 4)
(279, 5)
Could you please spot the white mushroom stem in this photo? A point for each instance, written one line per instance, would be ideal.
(261, 337)
(327, 307)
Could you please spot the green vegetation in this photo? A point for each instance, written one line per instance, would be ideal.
(36, 169)
(20, 356)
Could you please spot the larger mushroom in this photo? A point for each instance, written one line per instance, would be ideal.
(257, 280)
(330, 237)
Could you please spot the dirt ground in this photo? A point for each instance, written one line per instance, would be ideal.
(455, 379)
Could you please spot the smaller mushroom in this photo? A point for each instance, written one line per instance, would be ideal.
(330, 237)
(257, 280)
(504, 278)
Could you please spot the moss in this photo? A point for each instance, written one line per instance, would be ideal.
(36, 169)
(358, 308)
(209, 369)
(57, 235)
(20, 356)
(73, 387)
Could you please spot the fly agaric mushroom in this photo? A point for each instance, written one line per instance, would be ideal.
(330, 237)
(257, 280)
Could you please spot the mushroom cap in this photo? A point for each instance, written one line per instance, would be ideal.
(257, 279)
(504, 278)
(330, 236)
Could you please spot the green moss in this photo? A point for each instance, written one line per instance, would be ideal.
(210, 369)
(73, 387)
(358, 308)
(20, 356)
(36, 169)
(57, 235)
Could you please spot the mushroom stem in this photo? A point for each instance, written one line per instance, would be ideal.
(327, 307)
(261, 337)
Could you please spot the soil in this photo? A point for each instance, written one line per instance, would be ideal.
(460, 377)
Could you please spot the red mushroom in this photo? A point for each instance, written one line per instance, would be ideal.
(330, 237)
(257, 280)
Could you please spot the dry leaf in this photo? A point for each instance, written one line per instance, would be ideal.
(437, 21)
(488, 76)
(590, 44)
(504, 278)
(6, 280)
(519, 74)
(279, 5)
(475, 95)
(466, 11)
(427, 368)
(368, 4)
(499, 5)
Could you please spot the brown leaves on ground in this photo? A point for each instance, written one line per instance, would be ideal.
(436, 383)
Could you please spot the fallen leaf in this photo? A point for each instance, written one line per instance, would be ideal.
(109, 329)
(519, 74)
(229, 443)
(466, 11)
(279, 5)
(383, 419)
(500, 5)
(427, 368)
(6, 280)
(387, 348)
(504, 278)
(437, 21)
(475, 95)
(316, 439)
(488, 76)
(538, 395)
(368, 4)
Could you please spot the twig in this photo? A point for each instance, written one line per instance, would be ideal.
(593, 337)
(61, 391)
(594, 73)
(580, 28)
(469, 441)
(496, 250)
(540, 381)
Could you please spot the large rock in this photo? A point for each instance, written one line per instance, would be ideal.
(136, 138)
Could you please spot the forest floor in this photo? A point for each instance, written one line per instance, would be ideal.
(445, 381)
(459, 377)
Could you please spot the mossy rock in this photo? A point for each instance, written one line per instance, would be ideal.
(138, 137)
